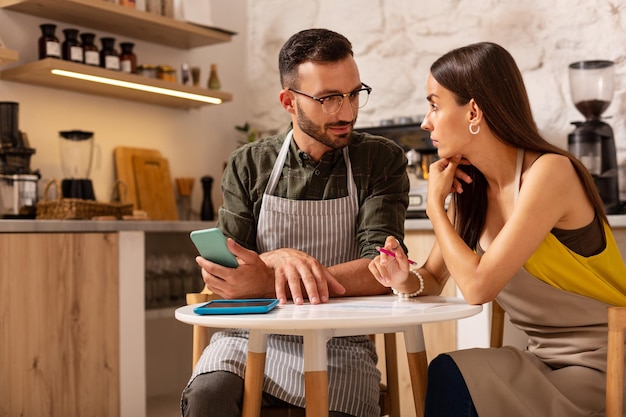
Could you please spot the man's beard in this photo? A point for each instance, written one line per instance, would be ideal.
(319, 132)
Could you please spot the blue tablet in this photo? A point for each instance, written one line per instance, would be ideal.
(245, 306)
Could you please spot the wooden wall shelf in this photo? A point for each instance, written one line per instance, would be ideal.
(113, 18)
(7, 56)
(39, 73)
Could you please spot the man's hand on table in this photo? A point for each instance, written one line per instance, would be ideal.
(295, 271)
(278, 273)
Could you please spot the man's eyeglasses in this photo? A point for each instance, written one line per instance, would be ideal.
(332, 103)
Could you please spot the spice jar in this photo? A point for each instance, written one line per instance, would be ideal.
(128, 59)
(49, 46)
(195, 76)
(71, 49)
(166, 73)
(109, 58)
(147, 70)
(154, 6)
(91, 55)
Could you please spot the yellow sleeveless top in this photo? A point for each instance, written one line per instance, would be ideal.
(601, 277)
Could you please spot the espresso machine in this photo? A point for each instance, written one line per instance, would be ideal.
(592, 141)
(18, 182)
(420, 152)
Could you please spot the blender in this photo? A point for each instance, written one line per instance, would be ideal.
(592, 142)
(76, 148)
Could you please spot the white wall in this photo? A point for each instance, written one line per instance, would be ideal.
(197, 142)
(395, 42)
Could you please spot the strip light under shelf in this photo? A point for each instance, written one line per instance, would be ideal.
(136, 86)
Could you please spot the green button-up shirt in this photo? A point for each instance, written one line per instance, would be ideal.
(379, 171)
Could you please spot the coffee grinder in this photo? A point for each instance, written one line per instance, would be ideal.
(592, 142)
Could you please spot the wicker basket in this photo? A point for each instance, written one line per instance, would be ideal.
(79, 209)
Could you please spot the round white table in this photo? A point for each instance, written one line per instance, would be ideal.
(319, 323)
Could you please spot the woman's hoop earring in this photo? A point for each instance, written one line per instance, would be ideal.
(472, 131)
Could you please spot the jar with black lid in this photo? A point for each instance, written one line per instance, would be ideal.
(49, 46)
(71, 48)
(109, 57)
(91, 54)
(128, 59)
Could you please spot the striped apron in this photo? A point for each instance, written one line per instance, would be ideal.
(325, 229)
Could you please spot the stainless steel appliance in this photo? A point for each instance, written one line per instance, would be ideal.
(18, 182)
(591, 86)
(18, 195)
(420, 153)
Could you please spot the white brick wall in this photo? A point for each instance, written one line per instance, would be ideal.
(395, 41)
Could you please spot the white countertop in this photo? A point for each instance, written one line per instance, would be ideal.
(95, 226)
(100, 226)
(616, 221)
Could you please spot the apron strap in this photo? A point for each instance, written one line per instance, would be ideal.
(280, 162)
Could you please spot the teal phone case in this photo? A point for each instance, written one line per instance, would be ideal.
(211, 245)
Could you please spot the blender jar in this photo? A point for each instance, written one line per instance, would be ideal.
(76, 148)
(76, 153)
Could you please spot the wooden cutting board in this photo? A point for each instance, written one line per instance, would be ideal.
(123, 157)
(154, 187)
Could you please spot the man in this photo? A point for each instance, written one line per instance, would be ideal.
(306, 211)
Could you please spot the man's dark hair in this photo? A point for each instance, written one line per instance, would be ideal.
(316, 45)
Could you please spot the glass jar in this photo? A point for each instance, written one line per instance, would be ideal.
(147, 70)
(49, 46)
(91, 55)
(166, 73)
(71, 47)
(109, 58)
(128, 59)
(154, 6)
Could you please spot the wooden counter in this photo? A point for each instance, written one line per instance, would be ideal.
(73, 318)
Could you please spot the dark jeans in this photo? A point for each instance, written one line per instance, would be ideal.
(220, 394)
(447, 394)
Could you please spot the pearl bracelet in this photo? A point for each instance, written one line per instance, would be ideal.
(415, 272)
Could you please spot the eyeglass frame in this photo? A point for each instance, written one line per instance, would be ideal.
(321, 100)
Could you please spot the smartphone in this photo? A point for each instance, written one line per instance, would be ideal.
(211, 243)
(246, 306)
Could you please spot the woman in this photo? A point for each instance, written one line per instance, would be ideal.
(526, 227)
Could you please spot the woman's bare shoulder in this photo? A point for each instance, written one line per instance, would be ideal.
(553, 164)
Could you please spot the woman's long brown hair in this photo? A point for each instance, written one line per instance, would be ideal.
(487, 73)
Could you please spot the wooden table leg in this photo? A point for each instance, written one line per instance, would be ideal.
(316, 373)
(255, 371)
(418, 366)
(316, 386)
